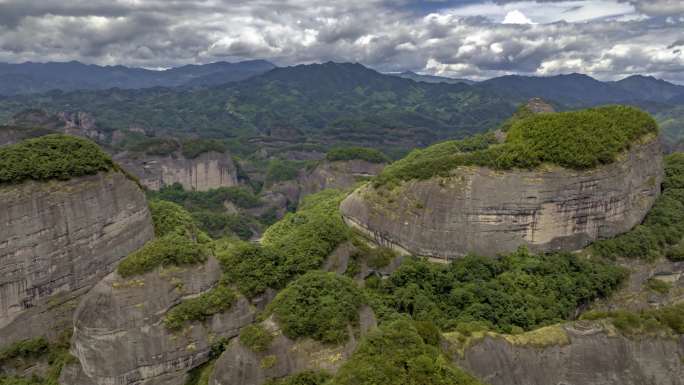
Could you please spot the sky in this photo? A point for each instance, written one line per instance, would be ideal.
(606, 39)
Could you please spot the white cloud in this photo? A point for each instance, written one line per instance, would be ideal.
(604, 38)
(516, 17)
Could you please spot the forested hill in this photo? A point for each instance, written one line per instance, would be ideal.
(334, 103)
(27, 78)
(330, 102)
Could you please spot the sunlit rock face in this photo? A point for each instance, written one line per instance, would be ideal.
(57, 240)
(208, 171)
(487, 212)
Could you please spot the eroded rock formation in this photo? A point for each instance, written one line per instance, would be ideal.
(208, 171)
(119, 334)
(591, 355)
(337, 175)
(284, 357)
(483, 211)
(57, 240)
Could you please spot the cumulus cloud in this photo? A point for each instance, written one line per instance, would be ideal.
(466, 38)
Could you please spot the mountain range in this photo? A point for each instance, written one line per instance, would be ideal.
(325, 103)
(27, 78)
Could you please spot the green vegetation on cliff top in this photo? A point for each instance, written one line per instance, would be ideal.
(319, 305)
(178, 242)
(646, 321)
(577, 140)
(216, 300)
(516, 292)
(662, 232)
(396, 353)
(292, 246)
(351, 153)
(52, 157)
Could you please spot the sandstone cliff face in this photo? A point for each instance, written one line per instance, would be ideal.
(208, 171)
(337, 175)
(593, 356)
(119, 335)
(284, 357)
(57, 240)
(482, 211)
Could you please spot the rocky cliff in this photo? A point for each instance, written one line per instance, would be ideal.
(119, 334)
(337, 175)
(583, 353)
(284, 357)
(484, 211)
(57, 240)
(209, 170)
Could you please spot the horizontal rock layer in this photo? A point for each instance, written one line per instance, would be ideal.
(486, 212)
(57, 240)
(119, 334)
(208, 171)
(593, 356)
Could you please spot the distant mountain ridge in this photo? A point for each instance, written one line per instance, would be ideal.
(27, 78)
(431, 78)
(340, 103)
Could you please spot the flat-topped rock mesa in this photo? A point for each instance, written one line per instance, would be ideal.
(423, 205)
(207, 171)
(58, 238)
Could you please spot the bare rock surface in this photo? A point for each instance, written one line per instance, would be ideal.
(592, 355)
(119, 334)
(486, 212)
(337, 175)
(208, 171)
(284, 357)
(57, 240)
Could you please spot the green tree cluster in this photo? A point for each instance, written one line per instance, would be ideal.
(351, 153)
(178, 242)
(52, 157)
(662, 232)
(292, 246)
(396, 353)
(216, 300)
(578, 140)
(519, 291)
(319, 305)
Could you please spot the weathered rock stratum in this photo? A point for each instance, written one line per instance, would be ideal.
(208, 171)
(486, 212)
(337, 175)
(119, 333)
(57, 240)
(589, 355)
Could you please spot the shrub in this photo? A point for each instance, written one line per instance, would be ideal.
(170, 218)
(170, 249)
(351, 153)
(209, 200)
(292, 246)
(658, 286)
(663, 229)
(395, 353)
(216, 300)
(192, 148)
(156, 146)
(218, 224)
(256, 338)
(518, 290)
(282, 170)
(26, 349)
(668, 318)
(52, 157)
(318, 305)
(577, 140)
